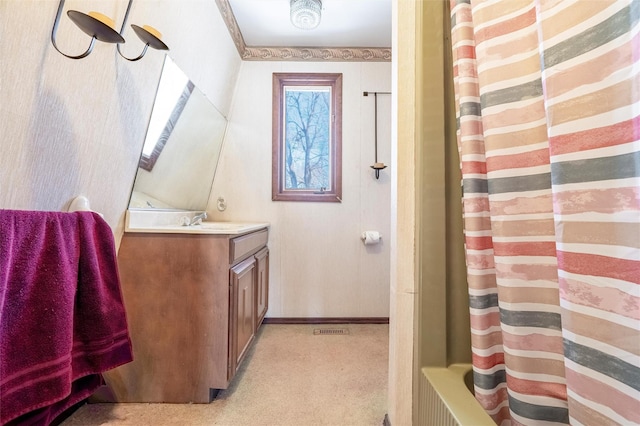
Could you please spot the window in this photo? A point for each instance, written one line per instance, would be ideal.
(307, 137)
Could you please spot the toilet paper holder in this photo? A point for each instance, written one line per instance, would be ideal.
(371, 237)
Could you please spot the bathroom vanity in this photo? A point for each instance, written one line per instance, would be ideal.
(195, 298)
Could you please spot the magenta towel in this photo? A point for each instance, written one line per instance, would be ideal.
(62, 318)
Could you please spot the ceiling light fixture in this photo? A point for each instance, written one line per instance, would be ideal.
(305, 14)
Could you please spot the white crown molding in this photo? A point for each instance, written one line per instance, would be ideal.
(265, 53)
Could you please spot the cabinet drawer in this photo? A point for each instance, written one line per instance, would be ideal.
(246, 245)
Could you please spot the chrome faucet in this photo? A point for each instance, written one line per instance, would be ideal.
(197, 219)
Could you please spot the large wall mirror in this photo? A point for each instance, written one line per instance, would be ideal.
(181, 148)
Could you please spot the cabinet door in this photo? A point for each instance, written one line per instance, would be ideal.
(242, 312)
(262, 285)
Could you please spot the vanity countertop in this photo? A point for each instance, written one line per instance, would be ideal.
(218, 228)
(169, 222)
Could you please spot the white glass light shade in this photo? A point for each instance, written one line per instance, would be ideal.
(305, 14)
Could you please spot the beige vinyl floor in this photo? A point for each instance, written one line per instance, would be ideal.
(291, 377)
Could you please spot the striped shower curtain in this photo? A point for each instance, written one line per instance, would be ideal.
(548, 108)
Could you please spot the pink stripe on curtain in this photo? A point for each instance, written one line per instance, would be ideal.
(547, 97)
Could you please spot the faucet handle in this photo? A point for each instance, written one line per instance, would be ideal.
(197, 219)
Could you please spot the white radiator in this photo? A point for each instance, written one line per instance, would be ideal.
(445, 400)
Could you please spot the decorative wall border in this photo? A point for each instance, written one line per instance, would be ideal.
(341, 54)
(316, 54)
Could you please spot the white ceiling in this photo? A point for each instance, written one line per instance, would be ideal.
(344, 23)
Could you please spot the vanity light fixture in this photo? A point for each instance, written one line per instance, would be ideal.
(149, 35)
(102, 28)
(97, 25)
(305, 14)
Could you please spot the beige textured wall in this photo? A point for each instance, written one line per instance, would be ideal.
(402, 336)
(76, 127)
(319, 267)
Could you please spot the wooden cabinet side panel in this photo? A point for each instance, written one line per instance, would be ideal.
(262, 285)
(176, 294)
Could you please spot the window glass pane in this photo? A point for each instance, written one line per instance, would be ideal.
(307, 138)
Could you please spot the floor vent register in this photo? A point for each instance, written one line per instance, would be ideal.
(330, 331)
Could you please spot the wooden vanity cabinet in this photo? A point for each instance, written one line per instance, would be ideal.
(192, 305)
(243, 313)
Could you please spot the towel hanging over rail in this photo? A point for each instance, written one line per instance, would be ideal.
(62, 318)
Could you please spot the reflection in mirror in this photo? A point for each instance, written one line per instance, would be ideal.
(181, 148)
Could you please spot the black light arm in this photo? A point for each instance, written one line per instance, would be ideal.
(91, 26)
